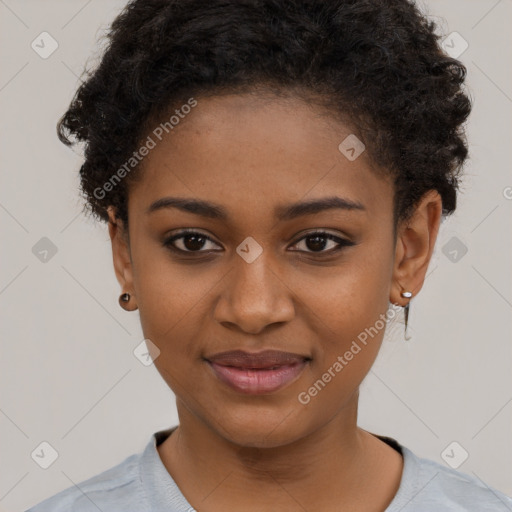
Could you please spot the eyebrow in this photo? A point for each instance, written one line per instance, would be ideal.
(282, 212)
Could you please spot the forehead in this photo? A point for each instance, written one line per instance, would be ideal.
(252, 154)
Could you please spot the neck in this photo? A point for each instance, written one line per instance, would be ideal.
(211, 469)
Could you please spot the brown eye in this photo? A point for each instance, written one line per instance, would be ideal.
(318, 241)
(189, 241)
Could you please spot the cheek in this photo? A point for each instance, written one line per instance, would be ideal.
(170, 297)
(349, 314)
(349, 297)
(172, 301)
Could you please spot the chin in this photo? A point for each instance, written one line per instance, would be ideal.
(260, 427)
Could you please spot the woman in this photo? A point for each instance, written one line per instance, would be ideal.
(273, 175)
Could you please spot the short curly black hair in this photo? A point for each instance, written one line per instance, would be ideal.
(374, 64)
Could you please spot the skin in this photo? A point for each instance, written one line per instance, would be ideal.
(250, 154)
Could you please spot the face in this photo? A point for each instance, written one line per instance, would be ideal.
(254, 274)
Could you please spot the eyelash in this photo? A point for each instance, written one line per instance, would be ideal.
(342, 242)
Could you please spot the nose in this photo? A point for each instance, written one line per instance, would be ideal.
(254, 296)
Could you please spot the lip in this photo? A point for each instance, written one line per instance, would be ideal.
(257, 373)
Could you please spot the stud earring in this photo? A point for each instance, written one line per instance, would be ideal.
(124, 299)
(406, 295)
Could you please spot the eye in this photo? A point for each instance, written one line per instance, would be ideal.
(190, 241)
(318, 240)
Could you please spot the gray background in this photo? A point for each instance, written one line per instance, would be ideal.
(68, 373)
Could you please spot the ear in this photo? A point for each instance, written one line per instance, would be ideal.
(120, 252)
(414, 247)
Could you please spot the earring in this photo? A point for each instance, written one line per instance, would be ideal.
(124, 299)
(406, 295)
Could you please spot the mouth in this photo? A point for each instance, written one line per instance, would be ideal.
(257, 373)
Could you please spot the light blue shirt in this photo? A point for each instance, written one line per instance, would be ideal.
(141, 483)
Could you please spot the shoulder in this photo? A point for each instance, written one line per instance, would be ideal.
(427, 485)
(118, 487)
